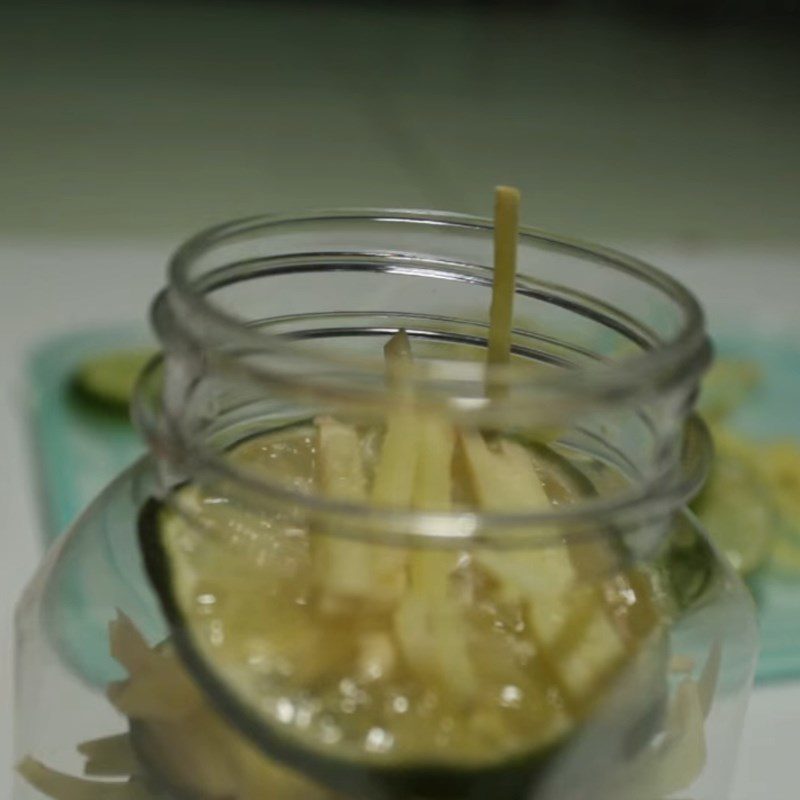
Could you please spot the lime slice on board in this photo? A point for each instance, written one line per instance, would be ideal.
(737, 505)
(109, 379)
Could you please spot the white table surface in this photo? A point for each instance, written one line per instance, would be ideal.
(51, 288)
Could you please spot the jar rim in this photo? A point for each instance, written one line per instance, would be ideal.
(628, 379)
(659, 496)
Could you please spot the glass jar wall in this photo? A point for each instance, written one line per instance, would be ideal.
(359, 564)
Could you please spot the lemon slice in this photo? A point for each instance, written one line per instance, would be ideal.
(448, 685)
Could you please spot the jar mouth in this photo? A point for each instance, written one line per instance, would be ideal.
(258, 304)
(648, 501)
(662, 358)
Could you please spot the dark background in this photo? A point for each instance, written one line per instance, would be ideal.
(663, 120)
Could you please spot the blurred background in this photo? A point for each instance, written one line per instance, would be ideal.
(668, 128)
(670, 120)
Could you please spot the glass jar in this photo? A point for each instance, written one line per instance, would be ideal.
(341, 575)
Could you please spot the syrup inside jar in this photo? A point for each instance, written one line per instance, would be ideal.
(393, 660)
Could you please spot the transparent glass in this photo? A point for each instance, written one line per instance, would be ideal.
(274, 604)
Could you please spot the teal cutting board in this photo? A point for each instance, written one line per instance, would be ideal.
(79, 451)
